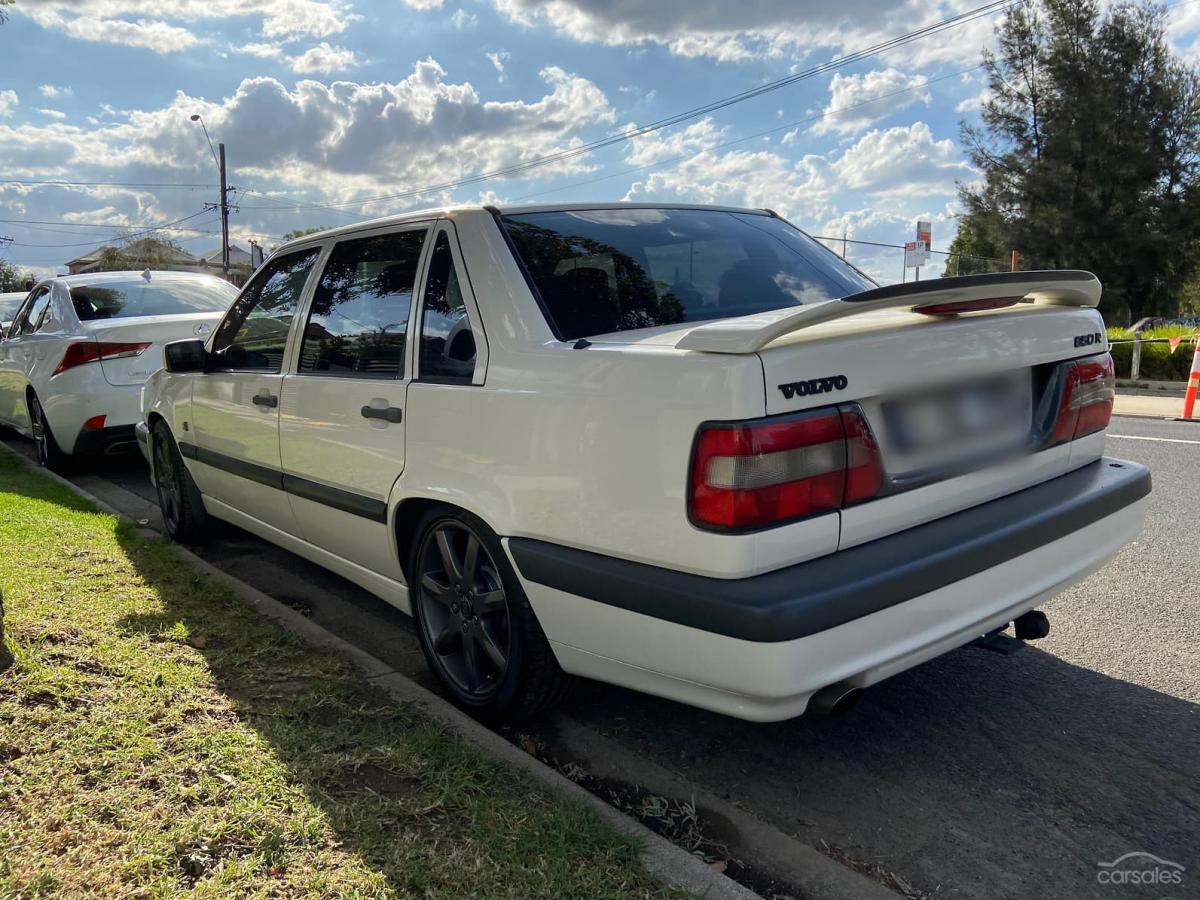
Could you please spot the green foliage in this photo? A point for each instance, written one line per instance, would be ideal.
(146, 253)
(1089, 148)
(10, 278)
(1158, 362)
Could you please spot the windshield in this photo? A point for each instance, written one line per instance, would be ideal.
(138, 297)
(606, 270)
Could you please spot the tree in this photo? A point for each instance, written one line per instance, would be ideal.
(3, 11)
(145, 253)
(1088, 148)
(297, 233)
(11, 280)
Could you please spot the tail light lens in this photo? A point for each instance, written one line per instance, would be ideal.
(752, 475)
(954, 307)
(1087, 400)
(90, 351)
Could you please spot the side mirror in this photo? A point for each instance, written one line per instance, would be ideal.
(185, 356)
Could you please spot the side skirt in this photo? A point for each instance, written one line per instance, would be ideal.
(392, 592)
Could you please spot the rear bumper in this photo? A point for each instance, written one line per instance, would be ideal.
(759, 647)
(117, 439)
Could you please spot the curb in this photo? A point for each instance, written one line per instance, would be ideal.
(661, 858)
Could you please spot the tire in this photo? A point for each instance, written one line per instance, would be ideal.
(49, 454)
(469, 615)
(184, 517)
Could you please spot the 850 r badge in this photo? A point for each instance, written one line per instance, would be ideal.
(814, 386)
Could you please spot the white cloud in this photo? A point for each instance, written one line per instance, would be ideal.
(648, 149)
(973, 103)
(51, 91)
(53, 113)
(155, 25)
(464, 19)
(852, 99)
(8, 100)
(755, 28)
(789, 138)
(498, 59)
(261, 50)
(906, 160)
(324, 59)
(424, 5)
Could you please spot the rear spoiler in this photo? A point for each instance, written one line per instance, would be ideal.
(749, 334)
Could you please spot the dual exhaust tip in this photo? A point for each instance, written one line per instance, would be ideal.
(840, 698)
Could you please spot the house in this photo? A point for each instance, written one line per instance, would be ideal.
(180, 260)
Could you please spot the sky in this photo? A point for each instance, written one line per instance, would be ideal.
(334, 111)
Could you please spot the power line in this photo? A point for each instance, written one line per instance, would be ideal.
(987, 9)
(127, 236)
(132, 184)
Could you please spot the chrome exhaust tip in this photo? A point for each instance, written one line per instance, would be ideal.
(835, 699)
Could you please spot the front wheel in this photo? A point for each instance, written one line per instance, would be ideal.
(184, 518)
(476, 628)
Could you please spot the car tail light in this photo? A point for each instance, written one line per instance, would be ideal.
(1087, 400)
(751, 475)
(95, 423)
(961, 306)
(90, 351)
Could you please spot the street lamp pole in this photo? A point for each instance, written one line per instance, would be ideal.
(224, 204)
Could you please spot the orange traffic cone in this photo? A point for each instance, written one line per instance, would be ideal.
(1189, 399)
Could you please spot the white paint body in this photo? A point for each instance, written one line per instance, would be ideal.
(590, 448)
(112, 387)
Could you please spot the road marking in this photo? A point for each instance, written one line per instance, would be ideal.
(1138, 437)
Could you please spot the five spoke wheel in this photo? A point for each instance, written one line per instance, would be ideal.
(166, 479)
(464, 608)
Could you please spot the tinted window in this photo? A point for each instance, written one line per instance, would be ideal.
(254, 333)
(138, 297)
(9, 306)
(610, 270)
(359, 316)
(447, 342)
(35, 313)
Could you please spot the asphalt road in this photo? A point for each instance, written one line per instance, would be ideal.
(973, 776)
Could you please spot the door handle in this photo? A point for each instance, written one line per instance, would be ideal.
(269, 400)
(392, 414)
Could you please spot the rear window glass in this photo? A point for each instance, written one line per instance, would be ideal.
(127, 299)
(606, 270)
(10, 305)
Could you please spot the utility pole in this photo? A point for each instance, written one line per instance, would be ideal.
(224, 214)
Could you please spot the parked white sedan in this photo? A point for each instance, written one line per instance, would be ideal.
(9, 304)
(74, 360)
(685, 450)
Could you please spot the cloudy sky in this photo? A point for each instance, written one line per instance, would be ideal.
(338, 110)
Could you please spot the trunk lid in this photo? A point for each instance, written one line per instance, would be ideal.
(154, 330)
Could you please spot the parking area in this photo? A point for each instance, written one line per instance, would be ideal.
(975, 776)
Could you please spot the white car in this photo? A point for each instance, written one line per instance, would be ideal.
(687, 450)
(9, 304)
(74, 360)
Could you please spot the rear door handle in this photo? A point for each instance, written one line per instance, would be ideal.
(392, 414)
(269, 400)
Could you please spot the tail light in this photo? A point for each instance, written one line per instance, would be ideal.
(1087, 400)
(90, 351)
(751, 475)
(954, 307)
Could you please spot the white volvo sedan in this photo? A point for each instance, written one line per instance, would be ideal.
(73, 361)
(687, 450)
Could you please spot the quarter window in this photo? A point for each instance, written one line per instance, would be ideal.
(35, 314)
(447, 342)
(253, 336)
(359, 318)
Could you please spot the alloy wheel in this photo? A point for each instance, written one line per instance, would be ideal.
(464, 609)
(37, 423)
(167, 482)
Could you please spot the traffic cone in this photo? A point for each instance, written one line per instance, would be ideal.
(1189, 399)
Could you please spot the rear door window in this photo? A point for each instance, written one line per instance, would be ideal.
(358, 323)
(448, 348)
(35, 312)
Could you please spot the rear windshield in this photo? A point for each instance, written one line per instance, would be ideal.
(607, 270)
(10, 305)
(138, 297)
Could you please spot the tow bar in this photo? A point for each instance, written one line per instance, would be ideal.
(1030, 626)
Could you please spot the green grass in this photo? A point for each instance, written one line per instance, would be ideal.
(157, 738)
(1158, 362)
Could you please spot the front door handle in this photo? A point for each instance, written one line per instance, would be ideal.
(393, 414)
(268, 400)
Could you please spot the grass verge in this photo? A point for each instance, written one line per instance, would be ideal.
(158, 738)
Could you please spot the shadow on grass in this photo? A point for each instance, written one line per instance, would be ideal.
(288, 774)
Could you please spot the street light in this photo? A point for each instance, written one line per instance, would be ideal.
(224, 204)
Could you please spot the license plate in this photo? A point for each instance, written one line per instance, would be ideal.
(942, 425)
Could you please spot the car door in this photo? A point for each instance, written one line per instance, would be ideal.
(235, 404)
(18, 353)
(342, 408)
